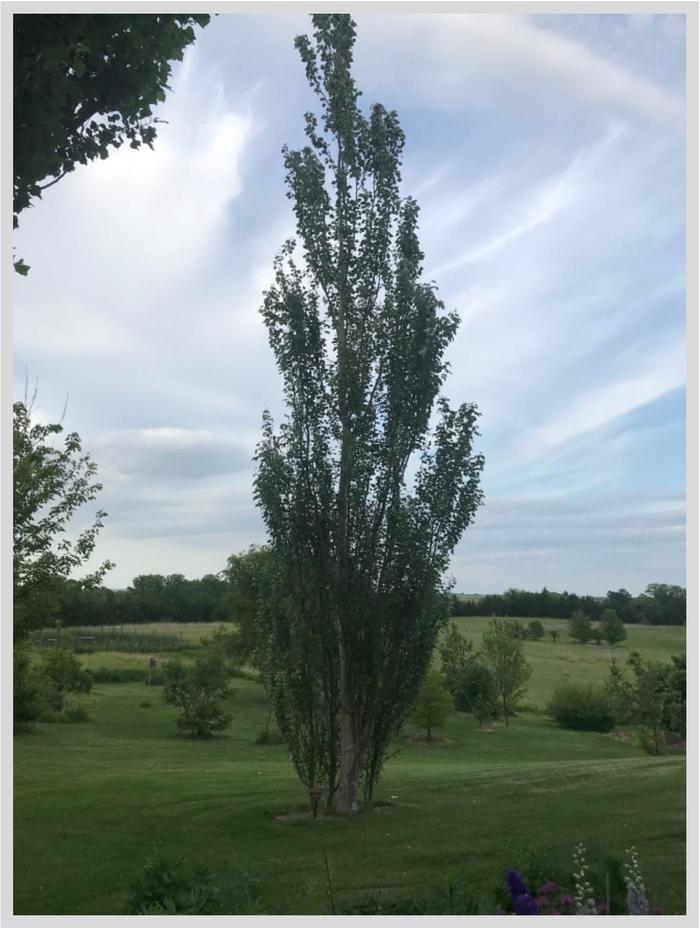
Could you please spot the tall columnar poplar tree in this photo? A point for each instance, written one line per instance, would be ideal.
(360, 340)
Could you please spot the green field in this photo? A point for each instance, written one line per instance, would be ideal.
(566, 659)
(93, 799)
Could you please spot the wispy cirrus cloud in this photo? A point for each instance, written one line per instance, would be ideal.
(547, 155)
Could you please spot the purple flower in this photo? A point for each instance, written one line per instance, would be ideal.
(547, 888)
(566, 902)
(541, 901)
(523, 900)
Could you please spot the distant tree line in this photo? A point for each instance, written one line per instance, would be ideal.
(150, 598)
(658, 605)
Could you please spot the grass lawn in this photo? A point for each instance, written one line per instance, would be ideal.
(93, 799)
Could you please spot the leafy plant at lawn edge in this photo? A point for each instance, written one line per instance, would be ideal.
(197, 690)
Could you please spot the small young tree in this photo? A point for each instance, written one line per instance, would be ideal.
(502, 650)
(620, 694)
(611, 627)
(433, 705)
(64, 675)
(455, 653)
(485, 704)
(675, 702)
(554, 634)
(535, 630)
(197, 691)
(476, 691)
(580, 627)
(649, 702)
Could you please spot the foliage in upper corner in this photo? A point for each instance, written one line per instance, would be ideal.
(85, 84)
(50, 483)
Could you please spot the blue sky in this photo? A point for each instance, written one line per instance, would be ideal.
(547, 154)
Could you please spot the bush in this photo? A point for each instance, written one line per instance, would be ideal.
(475, 689)
(64, 675)
(74, 713)
(270, 737)
(576, 706)
(28, 691)
(535, 630)
(166, 886)
(197, 690)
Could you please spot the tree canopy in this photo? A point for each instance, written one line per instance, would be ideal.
(50, 483)
(85, 83)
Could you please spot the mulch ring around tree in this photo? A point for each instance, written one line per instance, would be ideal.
(429, 740)
(670, 743)
(303, 814)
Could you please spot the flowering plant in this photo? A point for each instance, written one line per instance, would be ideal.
(553, 900)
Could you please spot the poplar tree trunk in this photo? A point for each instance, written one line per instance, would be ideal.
(349, 745)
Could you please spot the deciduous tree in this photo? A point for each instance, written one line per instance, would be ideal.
(611, 627)
(360, 341)
(50, 483)
(580, 627)
(502, 649)
(433, 704)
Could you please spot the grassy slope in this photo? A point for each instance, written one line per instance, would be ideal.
(91, 800)
(566, 659)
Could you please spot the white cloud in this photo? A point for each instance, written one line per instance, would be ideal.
(462, 59)
(599, 406)
(169, 453)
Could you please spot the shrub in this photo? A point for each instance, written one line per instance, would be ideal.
(197, 690)
(535, 630)
(576, 706)
(167, 886)
(64, 675)
(74, 713)
(475, 688)
(28, 691)
(270, 737)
